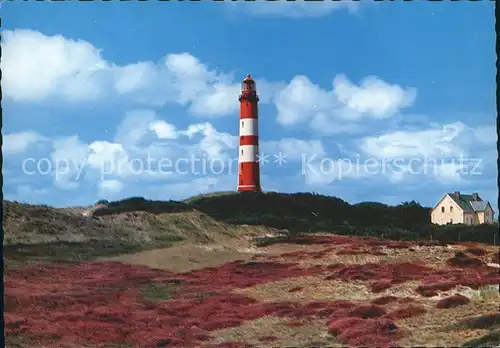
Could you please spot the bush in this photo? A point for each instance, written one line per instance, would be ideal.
(453, 301)
(141, 204)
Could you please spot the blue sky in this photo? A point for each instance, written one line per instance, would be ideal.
(92, 90)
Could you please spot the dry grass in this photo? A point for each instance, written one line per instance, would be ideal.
(183, 258)
(429, 329)
(431, 255)
(490, 251)
(314, 289)
(311, 333)
(425, 330)
(208, 243)
(283, 248)
(35, 224)
(434, 256)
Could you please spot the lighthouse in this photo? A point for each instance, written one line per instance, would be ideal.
(248, 160)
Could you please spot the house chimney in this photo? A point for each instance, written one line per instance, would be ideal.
(475, 196)
(457, 193)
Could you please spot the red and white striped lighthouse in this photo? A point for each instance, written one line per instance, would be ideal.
(248, 163)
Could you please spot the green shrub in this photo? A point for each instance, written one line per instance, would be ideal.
(141, 204)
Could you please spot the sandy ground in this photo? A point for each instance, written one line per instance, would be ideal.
(184, 258)
(271, 331)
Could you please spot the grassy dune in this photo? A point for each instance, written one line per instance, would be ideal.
(43, 234)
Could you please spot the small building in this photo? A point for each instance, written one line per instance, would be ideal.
(459, 208)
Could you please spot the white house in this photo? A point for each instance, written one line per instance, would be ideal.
(459, 208)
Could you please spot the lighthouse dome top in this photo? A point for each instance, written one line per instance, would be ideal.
(248, 78)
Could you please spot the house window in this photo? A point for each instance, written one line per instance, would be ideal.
(451, 209)
(451, 221)
(442, 209)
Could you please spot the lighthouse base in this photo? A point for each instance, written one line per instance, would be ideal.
(248, 177)
(249, 188)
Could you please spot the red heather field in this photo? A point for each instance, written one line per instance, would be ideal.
(322, 290)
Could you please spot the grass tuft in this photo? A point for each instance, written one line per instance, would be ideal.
(158, 292)
(491, 339)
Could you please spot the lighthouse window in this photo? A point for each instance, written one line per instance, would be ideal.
(241, 123)
(242, 152)
(248, 86)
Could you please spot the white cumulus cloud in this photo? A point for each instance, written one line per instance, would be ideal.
(337, 110)
(145, 148)
(68, 162)
(164, 130)
(15, 143)
(434, 142)
(373, 97)
(292, 9)
(109, 188)
(38, 66)
(292, 148)
(213, 143)
(319, 171)
(450, 172)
